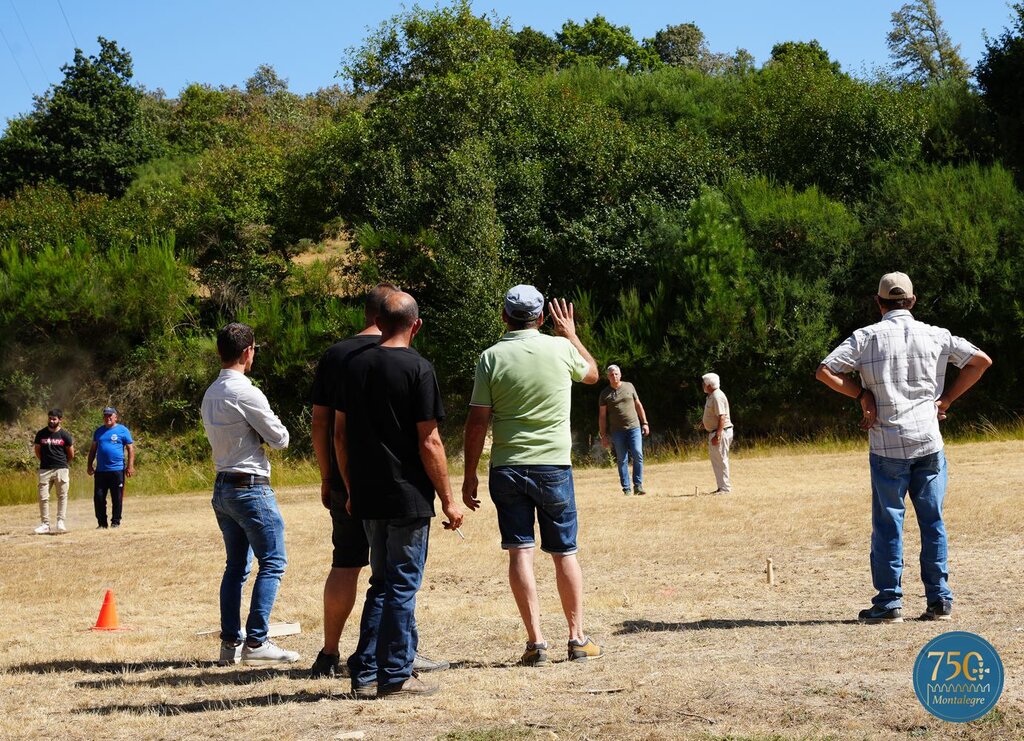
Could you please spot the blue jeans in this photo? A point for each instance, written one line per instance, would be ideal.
(250, 523)
(629, 443)
(925, 480)
(387, 630)
(520, 491)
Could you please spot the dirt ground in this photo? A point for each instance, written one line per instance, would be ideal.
(698, 644)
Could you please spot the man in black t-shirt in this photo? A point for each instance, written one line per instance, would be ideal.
(391, 457)
(351, 551)
(55, 449)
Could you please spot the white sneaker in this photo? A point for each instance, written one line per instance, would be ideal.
(43, 529)
(61, 527)
(267, 653)
(230, 653)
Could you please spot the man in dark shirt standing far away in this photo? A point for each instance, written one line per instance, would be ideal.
(55, 449)
(351, 551)
(392, 460)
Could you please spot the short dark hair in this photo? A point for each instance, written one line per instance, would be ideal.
(890, 304)
(398, 311)
(375, 299)
(232, 339)
(56, 412)
(517, 324)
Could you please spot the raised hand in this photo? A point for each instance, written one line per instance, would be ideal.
(563, 323)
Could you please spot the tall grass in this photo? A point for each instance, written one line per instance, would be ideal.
(157, 479)
(168, 476)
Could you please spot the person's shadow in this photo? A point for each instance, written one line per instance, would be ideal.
(647, 626)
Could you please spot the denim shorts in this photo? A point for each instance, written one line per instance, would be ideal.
(521, 492)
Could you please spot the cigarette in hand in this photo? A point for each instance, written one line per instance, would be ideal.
(459, 531)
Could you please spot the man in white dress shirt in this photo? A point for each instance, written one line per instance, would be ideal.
(238, 421)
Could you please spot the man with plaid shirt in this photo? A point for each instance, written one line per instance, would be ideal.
(902, 365)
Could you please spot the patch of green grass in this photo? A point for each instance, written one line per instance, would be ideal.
(505, 733)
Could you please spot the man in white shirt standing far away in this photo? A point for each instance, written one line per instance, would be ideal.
(718, 424)
(902, 365)
(238, 420)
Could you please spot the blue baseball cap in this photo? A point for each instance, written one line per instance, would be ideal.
(109, 410)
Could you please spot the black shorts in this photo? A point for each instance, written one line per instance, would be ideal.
(351, 549)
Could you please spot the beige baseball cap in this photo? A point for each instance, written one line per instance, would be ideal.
(895, 285)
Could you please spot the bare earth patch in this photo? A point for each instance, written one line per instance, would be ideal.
(699, 646)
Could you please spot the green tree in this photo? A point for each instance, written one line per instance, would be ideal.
(535, 50)
(421, 44)
(603, 44)
(1001, 77)
(681, 45)
(265, 81)
(88, 132)
(921, 49)
(807, 125)
(804, 53)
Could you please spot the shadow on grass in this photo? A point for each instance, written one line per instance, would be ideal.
(206, 706)
(204, 679)
(649, 626)
(220, 677)
(106, 667)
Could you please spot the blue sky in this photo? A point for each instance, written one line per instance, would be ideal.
(221, 42)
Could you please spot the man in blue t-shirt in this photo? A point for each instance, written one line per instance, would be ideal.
(111, 458)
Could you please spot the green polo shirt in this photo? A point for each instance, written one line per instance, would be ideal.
(526, 380)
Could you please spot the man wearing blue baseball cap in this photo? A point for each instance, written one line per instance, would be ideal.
(523, 385)
(111, 458)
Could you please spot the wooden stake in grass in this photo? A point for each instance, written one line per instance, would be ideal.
(770, 571)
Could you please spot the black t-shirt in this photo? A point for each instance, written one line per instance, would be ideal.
(53, 448)
(329, 376)
(386, 392)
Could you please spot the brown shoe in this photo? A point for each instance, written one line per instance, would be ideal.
(587, 651)
(413, 686)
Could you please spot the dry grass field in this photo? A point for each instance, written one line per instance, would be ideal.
(698, 645)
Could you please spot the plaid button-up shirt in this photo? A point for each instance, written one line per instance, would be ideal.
(903, 363)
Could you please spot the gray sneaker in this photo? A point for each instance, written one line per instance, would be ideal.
(230, 653)
(365, 691)
(267, 654)
(412, 687)
(422, 664)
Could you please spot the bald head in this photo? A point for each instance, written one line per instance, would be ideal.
(398, 313)
(375, 299)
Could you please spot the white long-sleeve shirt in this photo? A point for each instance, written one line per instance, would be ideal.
(238, 420)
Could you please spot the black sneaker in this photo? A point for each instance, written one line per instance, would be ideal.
(326, 665)
(941, 610)
(875, 615)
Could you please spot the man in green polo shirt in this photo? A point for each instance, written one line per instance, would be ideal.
(523, 384)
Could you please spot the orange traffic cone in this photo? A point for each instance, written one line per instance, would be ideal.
(108, 613)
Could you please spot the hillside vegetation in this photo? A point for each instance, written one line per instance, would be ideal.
(703, 213)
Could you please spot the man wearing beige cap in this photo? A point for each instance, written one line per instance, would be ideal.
(901, 390)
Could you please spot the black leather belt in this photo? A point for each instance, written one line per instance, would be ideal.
(242, 479)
